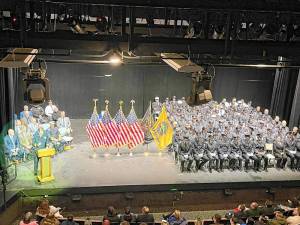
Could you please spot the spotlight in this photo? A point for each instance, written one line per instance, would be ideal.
(115, 59)
(36, 86)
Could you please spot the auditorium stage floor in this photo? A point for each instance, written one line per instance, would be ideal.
(77, 168)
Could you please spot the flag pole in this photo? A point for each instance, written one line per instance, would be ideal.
(120, 103)
(95, 100)
(147, 149)
(106, 154)
(131, 102)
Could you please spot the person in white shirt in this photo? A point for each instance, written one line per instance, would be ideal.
(64, 124)
(51, 110)
(295, 219)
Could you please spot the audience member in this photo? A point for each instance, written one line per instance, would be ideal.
(239, 211)
(145, 216)
(128, 215)
(295, 219)
(217, 219)
(279, 219)
(105, 222)
(262, 220)
(42, 210)
(27, 219)
(124, 223)
(268, 209)
(51, 219)
(253, 211)
(176, 218)
(112, 216)
(234, 221)
(69, 221)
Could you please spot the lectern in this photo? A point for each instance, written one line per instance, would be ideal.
(44, 155)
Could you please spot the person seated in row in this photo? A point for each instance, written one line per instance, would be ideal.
(13, 150)
(51, 111)
(25, 138)
(27, 118)
(44, 208)
(112, 216)
(145, 217)
(64, 124)
(55, 137)
(176, 218)
(28, 220)
(26, 109)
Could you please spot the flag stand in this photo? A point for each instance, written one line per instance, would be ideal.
(118, 154)
(146, 153)
(130, 154)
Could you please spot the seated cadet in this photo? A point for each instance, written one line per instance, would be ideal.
(64, 124)
(27, 118)
(26, 109)
(13, 149)
(55, 138)
(51, 111)
(40, 141)
(200, 155)
(33, 126)
(212, 153)
(260, 152)
(25, 139)
(279, 153)
(184, 148)
(236, 154)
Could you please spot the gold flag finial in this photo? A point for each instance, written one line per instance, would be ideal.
(132, 102)
(106, 104)
(95, 105)
(121, 103)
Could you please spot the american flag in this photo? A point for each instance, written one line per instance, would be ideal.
(95, 132)
(110, 130)
(124, 136)
(137, 134)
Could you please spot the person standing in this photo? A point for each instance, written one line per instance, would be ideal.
(40, 141)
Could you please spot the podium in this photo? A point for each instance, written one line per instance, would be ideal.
(45, 173)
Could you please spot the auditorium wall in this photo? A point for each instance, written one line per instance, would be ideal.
(73, 86)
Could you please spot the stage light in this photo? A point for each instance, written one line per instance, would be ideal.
(115, 59)
(36, 86)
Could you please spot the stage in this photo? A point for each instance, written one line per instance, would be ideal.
(81, 167)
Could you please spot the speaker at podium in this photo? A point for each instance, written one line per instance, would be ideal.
(45, 173)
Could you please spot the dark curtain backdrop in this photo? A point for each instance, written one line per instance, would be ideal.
(73, 86)
(244, 83)
(283, 92)
(295, 111)
(9, 83)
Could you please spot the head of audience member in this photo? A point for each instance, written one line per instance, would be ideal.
(106, 222)
(293, 203)
(27, 217)
(143, 223)
(124, 223)
(234, 220)
(217, 219)
(242, 207)
(26, 108)
(145, 210)
(253, 205)
(296, 211)
(44, 208)
(70, 217)
(62, 114)
(11, 132)
(111, 211)
(127, 214)
(177, 214)
(279, 215)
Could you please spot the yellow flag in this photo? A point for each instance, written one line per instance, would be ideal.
(162, 130)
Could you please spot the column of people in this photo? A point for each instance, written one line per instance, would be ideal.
(31, 134)
(235, 132)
